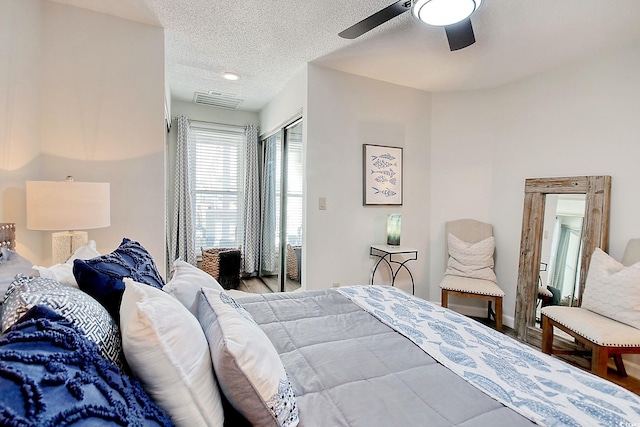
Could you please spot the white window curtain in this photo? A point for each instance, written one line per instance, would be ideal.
(181, 231)
(271, 208)
(251, 246)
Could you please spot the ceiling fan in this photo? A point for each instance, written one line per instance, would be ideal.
(453, 15)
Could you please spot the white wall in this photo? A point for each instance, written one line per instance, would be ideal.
(100, 109)
(20, 74)
(343, 113)
(285, 106)
(578, 120)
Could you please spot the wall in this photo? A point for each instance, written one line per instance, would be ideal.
(343, 113)
(577, 120)
(286, 105)
(20, 75)
(100, 106)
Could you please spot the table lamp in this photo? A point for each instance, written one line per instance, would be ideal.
(67, 205)
(393, 229)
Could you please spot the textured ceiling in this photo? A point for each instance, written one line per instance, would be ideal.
(267, 42)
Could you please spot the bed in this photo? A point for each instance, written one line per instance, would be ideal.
(355, 359)
(353, 356)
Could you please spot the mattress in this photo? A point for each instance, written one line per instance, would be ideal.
(349, 369)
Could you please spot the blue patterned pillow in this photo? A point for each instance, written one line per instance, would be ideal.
(101, 277)
(84, 312)
(51, 374)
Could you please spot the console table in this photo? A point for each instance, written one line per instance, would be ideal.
(386, 253)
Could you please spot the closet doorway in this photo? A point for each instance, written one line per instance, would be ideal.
(282, 214)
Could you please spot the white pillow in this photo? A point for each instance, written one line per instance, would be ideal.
(474, 260)
(613, 290)
(63, 273)
(167, 350)
(186, 282)
(247, 365)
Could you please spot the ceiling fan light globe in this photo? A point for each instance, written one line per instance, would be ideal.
(443, 12)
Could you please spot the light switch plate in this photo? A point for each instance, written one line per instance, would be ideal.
(322, 203)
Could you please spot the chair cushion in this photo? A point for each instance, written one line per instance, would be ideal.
(473, 260)
(613, 290)
(473, 286)
(594, 327)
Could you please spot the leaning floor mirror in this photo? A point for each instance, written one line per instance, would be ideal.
(563, 221)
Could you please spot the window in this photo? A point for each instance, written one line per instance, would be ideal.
(217, 172)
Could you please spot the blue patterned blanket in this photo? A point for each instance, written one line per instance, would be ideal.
(546, 390)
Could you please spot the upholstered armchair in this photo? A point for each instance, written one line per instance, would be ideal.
(470, 249)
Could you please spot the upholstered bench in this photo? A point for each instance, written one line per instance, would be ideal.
(608, 320)
(605, 337)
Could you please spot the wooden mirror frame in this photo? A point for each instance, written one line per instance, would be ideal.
(595, 234)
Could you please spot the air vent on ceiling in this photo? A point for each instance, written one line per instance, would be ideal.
(217, 99)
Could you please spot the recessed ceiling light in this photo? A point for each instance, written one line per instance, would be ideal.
(228, 75)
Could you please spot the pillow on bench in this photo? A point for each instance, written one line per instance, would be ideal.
(613, 290)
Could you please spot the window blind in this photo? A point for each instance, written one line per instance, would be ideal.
(217, 175)
(294, 187)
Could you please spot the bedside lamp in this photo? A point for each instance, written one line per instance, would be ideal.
(67, 205)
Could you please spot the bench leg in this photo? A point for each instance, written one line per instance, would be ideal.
(444, 298)
(620, 365)
(499, 314)
(599, 360)
(547, 335)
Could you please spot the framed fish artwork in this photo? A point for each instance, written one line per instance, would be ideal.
(382, 175)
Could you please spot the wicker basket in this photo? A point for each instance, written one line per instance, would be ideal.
(211, 260)
(292, 263)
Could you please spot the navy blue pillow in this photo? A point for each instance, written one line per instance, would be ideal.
(50, 373)
(101, 277)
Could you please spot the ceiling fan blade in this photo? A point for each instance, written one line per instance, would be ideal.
(460, 34)
(376, 19)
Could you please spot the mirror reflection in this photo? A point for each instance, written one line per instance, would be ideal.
(563, 220)
(558, 282)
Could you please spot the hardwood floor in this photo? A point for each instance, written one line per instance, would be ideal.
(266, 285)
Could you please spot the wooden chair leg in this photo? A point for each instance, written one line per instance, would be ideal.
(490, 312)
(599, 360)
(445, 298)
(499, 314)
(547, 335)
(620, 364)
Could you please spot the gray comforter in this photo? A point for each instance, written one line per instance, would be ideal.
(349, 369)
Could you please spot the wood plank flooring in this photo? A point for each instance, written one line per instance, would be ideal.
(266, 285)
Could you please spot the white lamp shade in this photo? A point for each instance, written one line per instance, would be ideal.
(64, 205)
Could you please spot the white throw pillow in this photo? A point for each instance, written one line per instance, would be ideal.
(473, 260)
(247, 365)
(167, 350)
(63, 273)
(186, 282)
(613, 290)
